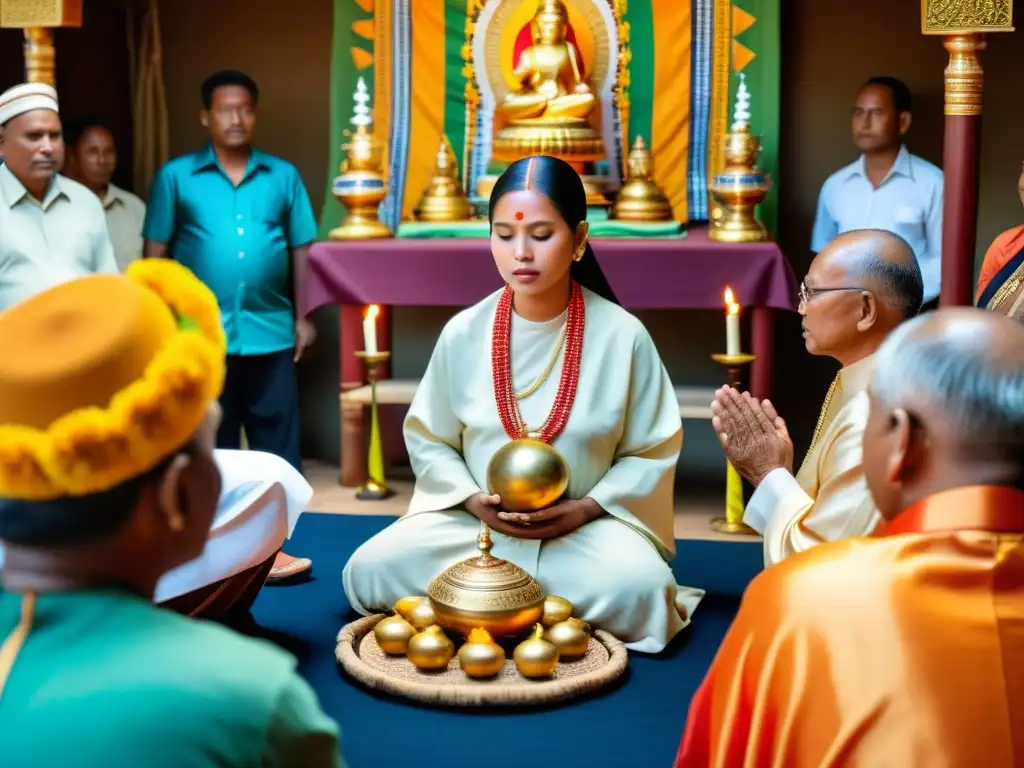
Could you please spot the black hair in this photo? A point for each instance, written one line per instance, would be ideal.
(901, 99)
(75, 129)
(894, 267)
(73, 521)
(560, 183)
(225, 78)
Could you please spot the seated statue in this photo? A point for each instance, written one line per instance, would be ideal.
(606, 544)
(551, 87)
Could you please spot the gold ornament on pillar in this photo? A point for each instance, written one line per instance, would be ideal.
(38, 18)
(963, 24)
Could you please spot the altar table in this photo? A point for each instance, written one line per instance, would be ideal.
(680, 273)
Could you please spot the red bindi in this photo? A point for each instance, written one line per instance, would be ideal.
(519, 215)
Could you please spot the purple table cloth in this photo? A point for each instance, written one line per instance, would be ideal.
(690, 273)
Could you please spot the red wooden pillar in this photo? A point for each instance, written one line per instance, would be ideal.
(964, 88)
(962, 25)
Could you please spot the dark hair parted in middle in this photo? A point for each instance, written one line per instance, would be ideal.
(559, 182)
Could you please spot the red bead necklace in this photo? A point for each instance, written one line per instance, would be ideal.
(501, 366)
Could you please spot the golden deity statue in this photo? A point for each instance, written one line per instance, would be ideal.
(548, 112)
(550, 84)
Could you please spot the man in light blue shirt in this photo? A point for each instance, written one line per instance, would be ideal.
(241, 220)
(886, 187)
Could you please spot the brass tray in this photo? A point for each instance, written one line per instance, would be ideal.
(363, 660)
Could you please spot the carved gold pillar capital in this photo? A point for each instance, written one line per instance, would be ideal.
(39, 18)
(964, 76)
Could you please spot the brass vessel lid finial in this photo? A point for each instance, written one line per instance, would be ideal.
(484, 544)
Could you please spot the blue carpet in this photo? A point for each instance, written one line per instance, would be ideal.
(638, 722)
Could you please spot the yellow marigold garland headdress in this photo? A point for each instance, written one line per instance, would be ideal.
(94, 449)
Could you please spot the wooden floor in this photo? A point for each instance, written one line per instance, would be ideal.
(693, 515)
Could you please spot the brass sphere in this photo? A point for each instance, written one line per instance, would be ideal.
(422, 615)
(480, 656)
(535, 656)
(404, 606)
(528, 475)
(571, 637)
(393, 635)
(556, 609)
(431, 649)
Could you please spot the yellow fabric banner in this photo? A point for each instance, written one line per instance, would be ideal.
(670, 119)
(427, 97)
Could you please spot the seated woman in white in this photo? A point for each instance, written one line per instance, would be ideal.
(584, 374)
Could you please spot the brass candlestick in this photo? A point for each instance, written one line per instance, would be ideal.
(736, 366)
(376, 487)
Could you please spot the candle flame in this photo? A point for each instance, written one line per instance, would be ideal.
(372, 311)
(731, 307)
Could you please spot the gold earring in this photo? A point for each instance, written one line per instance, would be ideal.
(175, 522)
(579, 253)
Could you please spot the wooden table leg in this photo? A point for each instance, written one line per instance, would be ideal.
(762, 332)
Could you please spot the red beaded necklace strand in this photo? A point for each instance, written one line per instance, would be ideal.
(501, 366)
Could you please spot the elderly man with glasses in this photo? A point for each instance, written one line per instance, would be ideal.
(857, 291)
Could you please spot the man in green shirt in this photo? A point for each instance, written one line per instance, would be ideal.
(108, 417)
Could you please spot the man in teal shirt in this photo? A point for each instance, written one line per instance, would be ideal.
(241, 220)
(107, 482)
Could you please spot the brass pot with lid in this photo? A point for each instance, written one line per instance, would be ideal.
(485, 592)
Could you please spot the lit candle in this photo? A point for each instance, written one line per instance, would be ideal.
(732, 324)
(370, 329)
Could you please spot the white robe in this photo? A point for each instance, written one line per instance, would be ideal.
(622, 442)
(828, 499)
(261, 499)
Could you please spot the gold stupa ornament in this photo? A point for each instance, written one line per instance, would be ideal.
(548, 112)
(361, 186)
(444, 198)
(640, 198)
(485, 592)
(741, 186)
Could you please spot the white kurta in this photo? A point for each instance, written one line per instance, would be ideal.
(829, 498)
(622, 442)
(261, 499)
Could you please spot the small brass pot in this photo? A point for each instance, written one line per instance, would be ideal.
(431, 649)
(535, 656)
(485, 592)
(571, 637)
(480, 656)
(393, 635)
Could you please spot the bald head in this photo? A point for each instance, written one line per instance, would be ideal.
(963, 368)
(885, 263)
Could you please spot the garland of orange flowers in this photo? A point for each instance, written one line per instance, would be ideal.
(95, 449)
(501, 367)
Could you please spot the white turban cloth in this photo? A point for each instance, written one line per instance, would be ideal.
(25, 98)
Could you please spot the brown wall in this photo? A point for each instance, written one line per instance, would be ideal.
(829, 48)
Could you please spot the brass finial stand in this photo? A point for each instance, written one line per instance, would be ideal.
(739, 188)
(736, 367)
(640, 198)
(444, 198)
(361, 186)
(376, 487)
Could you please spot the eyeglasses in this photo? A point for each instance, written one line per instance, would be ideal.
(807, 293)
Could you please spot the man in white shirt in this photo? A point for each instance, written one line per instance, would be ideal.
(52, 229)
(858, 289)
(886, 187)
(92, 160)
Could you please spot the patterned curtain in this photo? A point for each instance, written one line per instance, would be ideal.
(149, 98)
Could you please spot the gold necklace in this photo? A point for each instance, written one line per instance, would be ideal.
(547, 371)
(820, 426)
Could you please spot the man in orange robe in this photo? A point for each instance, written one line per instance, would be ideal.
(907, 648)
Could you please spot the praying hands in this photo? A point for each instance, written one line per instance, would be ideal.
(753, 435)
